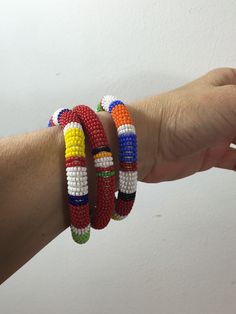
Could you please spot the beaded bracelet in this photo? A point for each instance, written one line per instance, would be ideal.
(76, 171)
(104, 166)
(127, 154)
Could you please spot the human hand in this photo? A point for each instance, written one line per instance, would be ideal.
(188, 129)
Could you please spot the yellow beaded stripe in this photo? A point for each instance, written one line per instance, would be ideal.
(102, 154)
(74, 146)
(74, 131)
(74, 142)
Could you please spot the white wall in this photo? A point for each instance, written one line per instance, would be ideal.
(176, 253)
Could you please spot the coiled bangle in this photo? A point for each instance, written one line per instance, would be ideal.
(127, 154)
(104, 166)
(76, 172)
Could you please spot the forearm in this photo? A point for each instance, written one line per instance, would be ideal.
(33, 203)
(33, 192)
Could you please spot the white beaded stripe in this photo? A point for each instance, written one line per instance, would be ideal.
(102, 159)
(76, 168)
(81, 187)
(77, 193)
(127, 190)
(81, 182)
(80, 231)
(128, 175)
(104, 164)
(80, 175)
(126, 128)
(76, 183)
(106, 101)
(72, 125)
(55, 116)
(128, 184)
(76, 179)
(81, 191)
(77, 188)
(128, 181)
(83, 177)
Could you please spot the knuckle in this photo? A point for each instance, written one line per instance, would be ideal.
(221, 70)
(225, 73)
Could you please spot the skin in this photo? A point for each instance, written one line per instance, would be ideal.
(180, 132)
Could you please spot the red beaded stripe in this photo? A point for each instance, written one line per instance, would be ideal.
(100, 169)
(75, 161)
(80, 218)
(105, 185)
(124, 206)
(128, 166)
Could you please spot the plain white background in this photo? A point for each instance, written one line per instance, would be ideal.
(176, 253)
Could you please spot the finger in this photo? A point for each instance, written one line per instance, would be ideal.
(229, 160)
(220, 77)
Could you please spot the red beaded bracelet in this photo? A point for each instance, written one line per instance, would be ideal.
(76, 171)
(127, 139)
(104, 166)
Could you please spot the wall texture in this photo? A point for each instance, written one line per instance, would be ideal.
(176, 253)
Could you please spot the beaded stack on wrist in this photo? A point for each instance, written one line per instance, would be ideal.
(82, 121)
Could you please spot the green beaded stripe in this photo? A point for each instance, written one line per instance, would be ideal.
(99, 108)
(105, 174)
(80, 238)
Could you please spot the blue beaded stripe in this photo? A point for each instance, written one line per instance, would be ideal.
(49, 123)
(124, 139)
(127, 151)
(127, 136)
(114, 103)
(130, 138)
(60, 113)
(127, 147)
(128, 159)
(128, 141)
(128, 154)
(78, 200)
